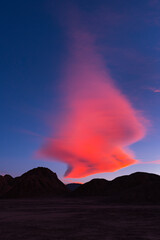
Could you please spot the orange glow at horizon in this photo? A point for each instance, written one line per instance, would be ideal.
(98, 122)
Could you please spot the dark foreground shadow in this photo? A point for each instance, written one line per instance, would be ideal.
(67, 219)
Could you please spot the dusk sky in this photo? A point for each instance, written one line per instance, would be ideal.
(80, 87)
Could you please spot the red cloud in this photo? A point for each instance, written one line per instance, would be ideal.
(99, 121)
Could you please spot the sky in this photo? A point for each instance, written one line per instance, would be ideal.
(80, 87)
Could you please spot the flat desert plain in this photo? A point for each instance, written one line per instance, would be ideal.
(67, 219)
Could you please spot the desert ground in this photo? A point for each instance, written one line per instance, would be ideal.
(67, 219)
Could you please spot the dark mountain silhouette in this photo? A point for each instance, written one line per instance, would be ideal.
(135, 188)
(38, 182)
(73, 186)
(143, 193)
(6, 183)
(41, 182)
(95, 187)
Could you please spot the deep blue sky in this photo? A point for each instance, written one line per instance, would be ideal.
(33, 49)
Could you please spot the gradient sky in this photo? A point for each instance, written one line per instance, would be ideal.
(38, 48)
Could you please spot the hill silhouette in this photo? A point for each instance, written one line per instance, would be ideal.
(95, 187)
(38, 182)
(138, 187)
(6, 183)
(135, 188)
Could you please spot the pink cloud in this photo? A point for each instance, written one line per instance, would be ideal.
(155, 90)
(156, 162)
(98, 121)
(152, 162)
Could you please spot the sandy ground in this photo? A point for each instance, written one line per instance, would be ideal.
(69, 219)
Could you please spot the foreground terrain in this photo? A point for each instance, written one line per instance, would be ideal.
(67, 219)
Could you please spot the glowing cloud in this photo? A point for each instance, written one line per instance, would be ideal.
(155, 90)
(98, 122)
